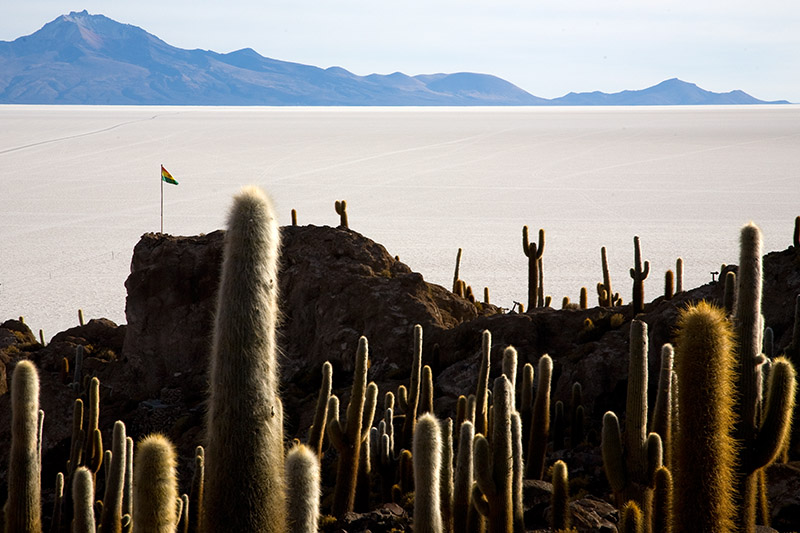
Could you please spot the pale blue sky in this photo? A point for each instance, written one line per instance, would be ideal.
(546, 47)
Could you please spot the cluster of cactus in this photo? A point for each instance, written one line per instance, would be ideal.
(606, 297)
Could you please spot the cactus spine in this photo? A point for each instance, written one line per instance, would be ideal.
(638, 274)
(111, 519)
(316, 435)
(493, 464)
(155, 485)
(303, 489)
(23, 508)
(244, 379)
(534, 255)
(83, 501)
(704, 448)
(347, 436)
(540, 421)
(427, 463)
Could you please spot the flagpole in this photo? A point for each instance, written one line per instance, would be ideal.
(161, 179)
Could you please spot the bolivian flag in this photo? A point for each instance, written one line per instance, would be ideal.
(166, 176)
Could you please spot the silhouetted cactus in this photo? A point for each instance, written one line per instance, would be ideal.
(316, 435)
(669, 285)
(347, 437)
(58, 502)
(796, 235)
(77, 381)
(93, 451)
(111, 520)
(426, 391)
(244, 380)
(155, 486)
(482, 392)
(729, 293)
(584, 299)
(303, 489)
(294, 217)
(540, 421)
(526, 403)
(638, 274)
(493, 464)
(704, 447)
(341, 210)
(455, 275)
(362, 503)
(678, 275)
(427, 465)
(23, 509)
(534, 255)
(410, 403)
(83, 520)
(559, 426)
(559, 506)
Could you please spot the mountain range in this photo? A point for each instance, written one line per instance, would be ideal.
(81, 58)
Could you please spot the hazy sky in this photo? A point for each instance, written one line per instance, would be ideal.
(547, 47)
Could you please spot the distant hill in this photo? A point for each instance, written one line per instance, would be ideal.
(90, 59)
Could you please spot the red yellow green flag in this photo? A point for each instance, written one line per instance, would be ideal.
(166, 176)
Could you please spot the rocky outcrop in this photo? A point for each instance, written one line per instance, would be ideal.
(336, 285)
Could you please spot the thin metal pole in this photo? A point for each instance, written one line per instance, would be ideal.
(161, 179)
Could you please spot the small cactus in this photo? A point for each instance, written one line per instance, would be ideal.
(559, 506)
(455, 275)
(427, 463)
(540, 421)
(155, 485)
(83, 520)
(316, 435)
(303, 489)
(341, 210)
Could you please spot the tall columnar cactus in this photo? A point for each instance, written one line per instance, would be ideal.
(662, 412)
(23, 510)
(244, 379)
(427, 465)
(627, 469)
(792, 351)
(638, 274)
(540, 421)
(455, 275)
(197, 491)
(493, 464)
(410, 404)
(559, 506)
(669, 285)
(58, 503)
(347, 437)
(426, 391)
(510, 369)
(462, 487)
(111, 520)
(576, 414)
(762, 427)
(482, 392)
(796, 235)
(729, 293)
(525, 403)
(446, 476)
(341, 210)
(518, 473)
(679, 275)
(534, 255)
(127, 488)
(605, 293)
(83, 520)
(316, 435)
(661, 514)
(93, 451)
(704, 448)
(77, 380)
(303, 489)
(155, 485)
(362, 503)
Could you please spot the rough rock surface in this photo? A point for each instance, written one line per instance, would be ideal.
(335, 286)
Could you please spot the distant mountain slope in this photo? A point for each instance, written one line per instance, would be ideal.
(90, 59)
(669, 92)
